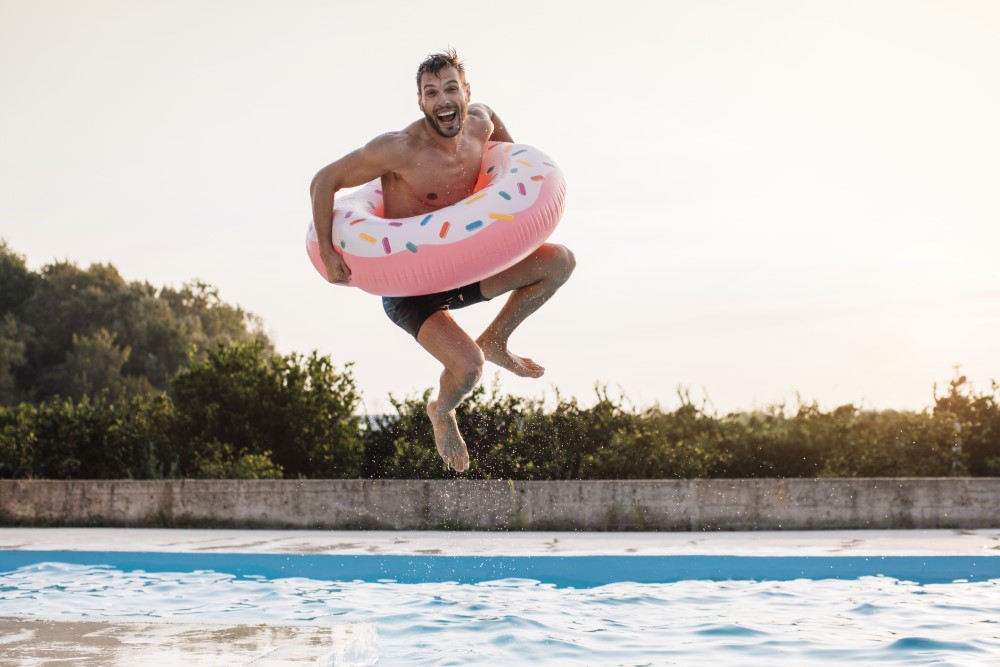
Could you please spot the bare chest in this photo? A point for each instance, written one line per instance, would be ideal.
(431, 183)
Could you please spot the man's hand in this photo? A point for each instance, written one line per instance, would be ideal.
(337, 271)
(372, 161)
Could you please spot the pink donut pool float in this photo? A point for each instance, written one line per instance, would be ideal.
(517, 203)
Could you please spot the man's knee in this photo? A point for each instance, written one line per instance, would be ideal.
(470, 370)
(562, 261)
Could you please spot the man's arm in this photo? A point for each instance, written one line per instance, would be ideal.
(354, 169)
(500, 132)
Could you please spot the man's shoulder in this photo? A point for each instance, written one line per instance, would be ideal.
(391, 141)
(480, 110)
(392, 150)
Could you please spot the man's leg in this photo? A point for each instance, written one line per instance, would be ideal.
(463, 367)
(532, 282)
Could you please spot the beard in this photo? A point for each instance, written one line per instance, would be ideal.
(448, 130)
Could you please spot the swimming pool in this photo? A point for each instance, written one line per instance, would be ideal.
(892, 598)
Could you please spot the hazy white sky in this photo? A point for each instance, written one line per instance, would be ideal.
(766, 198)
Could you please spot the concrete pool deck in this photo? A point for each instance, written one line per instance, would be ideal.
(444, 543)
(89, 642)
(30, 642)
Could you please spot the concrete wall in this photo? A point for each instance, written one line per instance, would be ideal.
(764, 504)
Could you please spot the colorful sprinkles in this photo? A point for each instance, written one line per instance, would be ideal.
(493, 172)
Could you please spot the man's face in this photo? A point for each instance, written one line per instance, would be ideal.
(444, 99)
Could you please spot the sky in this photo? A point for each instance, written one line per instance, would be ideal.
(768, 201)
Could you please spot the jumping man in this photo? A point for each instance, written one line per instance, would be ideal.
(430, 164)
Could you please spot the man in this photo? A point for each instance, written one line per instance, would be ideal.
(432, 163)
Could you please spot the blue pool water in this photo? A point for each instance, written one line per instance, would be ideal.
(563, 571)
(550, 610)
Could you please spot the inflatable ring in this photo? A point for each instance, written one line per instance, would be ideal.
(517, 202)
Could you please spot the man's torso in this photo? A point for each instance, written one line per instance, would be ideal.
(427, 178)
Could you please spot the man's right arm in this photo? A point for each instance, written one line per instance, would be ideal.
(354, 169)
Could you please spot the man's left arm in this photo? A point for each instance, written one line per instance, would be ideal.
(500, 132)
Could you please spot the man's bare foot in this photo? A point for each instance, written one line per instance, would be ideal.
(496, 353)
(448, 439)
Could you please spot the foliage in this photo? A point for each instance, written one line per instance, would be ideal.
(12, 356)
(100, 438)
(516, 438)
(265, 414)
(102, 378)
(240, 413)
(71, 332)
(975, 419)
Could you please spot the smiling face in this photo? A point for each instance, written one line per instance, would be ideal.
(444, 99)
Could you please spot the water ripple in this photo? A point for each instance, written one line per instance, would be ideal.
(522, 622)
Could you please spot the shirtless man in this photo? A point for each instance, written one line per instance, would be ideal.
(433, 163)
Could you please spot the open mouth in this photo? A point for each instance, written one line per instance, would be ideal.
(447, 117)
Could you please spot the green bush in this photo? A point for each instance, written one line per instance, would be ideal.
(240, 413)
(516, 438)
(100, 438)
(292, 414)
(975, 420)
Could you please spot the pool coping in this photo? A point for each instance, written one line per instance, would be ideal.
(939, 542)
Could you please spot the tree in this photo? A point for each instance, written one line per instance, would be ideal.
(12, 349)
(94, 364)
(249, 408)
(64, 330)
(17, 285)
(17, 282)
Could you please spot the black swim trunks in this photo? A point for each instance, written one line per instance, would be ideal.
(410, 312)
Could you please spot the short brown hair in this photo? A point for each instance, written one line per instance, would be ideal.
(436, 62)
